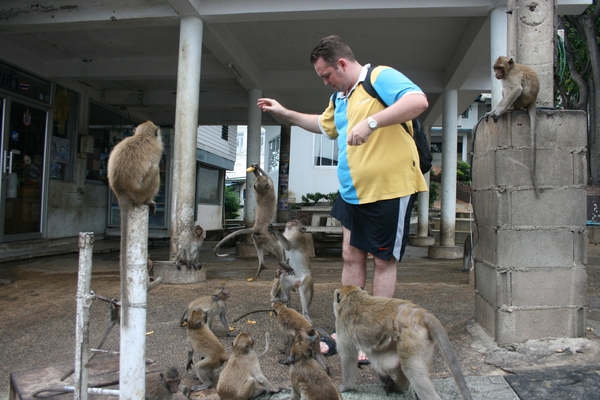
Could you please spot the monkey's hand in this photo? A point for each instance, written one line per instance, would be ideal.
(271, 228)
(189, 365)
(492, 114)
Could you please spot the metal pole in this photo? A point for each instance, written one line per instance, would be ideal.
(134, 283)
(84, 300)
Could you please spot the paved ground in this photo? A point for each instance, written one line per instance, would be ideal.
(37, 314)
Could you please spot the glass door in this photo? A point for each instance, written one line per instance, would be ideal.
(23, 164)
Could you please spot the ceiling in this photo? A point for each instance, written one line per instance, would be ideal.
(124, 53)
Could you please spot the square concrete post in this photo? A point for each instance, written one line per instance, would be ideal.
(531, 254)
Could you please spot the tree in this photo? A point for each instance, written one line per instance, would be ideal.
(232, 203)
(581, 88)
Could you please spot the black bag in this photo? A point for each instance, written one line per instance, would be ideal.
(419, 136)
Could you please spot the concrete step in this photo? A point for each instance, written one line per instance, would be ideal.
(461, 224)
(459, 236)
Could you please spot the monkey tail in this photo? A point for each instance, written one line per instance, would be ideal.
(230, 236)
(533, 123)
(439, 335)
(267, 337)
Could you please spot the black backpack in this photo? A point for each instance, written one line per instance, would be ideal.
(419, 136)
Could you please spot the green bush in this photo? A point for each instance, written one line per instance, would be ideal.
(433, 192)
(463, 172)
(232, 203)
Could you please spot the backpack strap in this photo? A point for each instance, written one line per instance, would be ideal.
(368, 86)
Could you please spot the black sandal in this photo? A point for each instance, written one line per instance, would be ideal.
(330, 345)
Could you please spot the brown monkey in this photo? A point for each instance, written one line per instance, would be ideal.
(283, 284)
(397, 336)
(520, 87)
(467, 253)
(163, 384)
(293, 323)
(134, 167)
(212, 306)
(239, 378)
(202, 341)
(297, 247)
(189, 252)
(265, 212)
(309, 381)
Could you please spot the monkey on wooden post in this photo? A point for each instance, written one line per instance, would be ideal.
(212, 306)
(309, 380)
(298, 249)
(266, 208)
(520, 87)
(397, 336)
(203, 342)
(162, 385)
(242, 373)
(293, 323)
(134, 167)
(189, 252)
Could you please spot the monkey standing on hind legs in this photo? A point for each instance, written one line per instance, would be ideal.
(212, 306)
(189, 252)
(265, 213)
(520, 87)
(239, 378)
(297, 247)
(397, 336)
(202, 341)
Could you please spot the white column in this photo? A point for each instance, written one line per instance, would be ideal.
(449, 159)
(186, 128)
(498, 38)
(253, 154)
(423, 221)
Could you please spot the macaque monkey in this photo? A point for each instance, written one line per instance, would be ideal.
(134, 167)
(467, 253)
(397, 336)
(293, 323)
(242, 373)
(309, 381)
(266, 203)
(189, 252)
(162, 385)
(212, 306)
(520, 87)
(297, 247)
(203, 342)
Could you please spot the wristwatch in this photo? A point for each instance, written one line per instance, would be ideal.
(372, 123)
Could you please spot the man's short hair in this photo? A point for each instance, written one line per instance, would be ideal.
(331, 49)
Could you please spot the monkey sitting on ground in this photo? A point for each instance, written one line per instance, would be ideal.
(189, 252)
(162, 385)
(520, 87)
(309, 381)
(293, 323)
(397, 336)
(134, 167)
(203, 342)
(266, 208)
(239, 378)
(212, 306)
(297, 247)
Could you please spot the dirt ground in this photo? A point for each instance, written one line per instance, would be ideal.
(37, 309)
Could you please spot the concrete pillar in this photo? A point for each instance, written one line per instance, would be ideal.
(447, 248)
(498, 31)
(533, 40)
(283, 211)
(530, 257)
(186, 130)
(422, 239)
(253, 154)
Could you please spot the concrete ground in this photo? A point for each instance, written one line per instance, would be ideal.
(37, 314)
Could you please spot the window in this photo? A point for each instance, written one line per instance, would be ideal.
(274, 155)
(64, 135)
(325, 151)
(208, 185)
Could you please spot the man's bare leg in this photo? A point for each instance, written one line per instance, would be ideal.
(384, 277)
(354, 271)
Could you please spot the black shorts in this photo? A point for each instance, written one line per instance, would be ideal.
(380, 228)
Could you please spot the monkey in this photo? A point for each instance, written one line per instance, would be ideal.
(239, 378)
(201, 340)
(189, 252)
(297, 248)
(293, 323)
(163, 384)
(520, 87)
(467, 253)
(397, 336)
(134, 167)
(309, 381)
(265, 212)
(283, 283)
(212, 306)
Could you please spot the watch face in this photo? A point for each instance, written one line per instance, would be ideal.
(372, 124)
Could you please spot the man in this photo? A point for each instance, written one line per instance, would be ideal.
(378, 163)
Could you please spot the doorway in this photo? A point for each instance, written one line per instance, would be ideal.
(23, 141)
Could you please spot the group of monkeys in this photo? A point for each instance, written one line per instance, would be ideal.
(397, 336)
